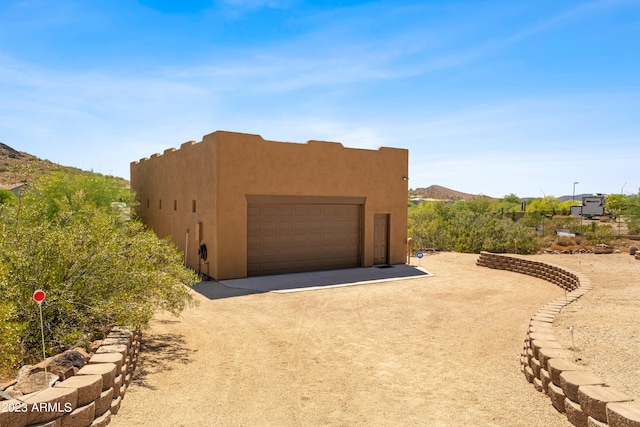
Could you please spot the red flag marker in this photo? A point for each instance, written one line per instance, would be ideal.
(39, 295)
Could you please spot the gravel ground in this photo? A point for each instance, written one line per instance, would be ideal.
(606, 321)
(437, 351)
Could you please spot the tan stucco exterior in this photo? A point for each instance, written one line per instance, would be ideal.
(219, 175)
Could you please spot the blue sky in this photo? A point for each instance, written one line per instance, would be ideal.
(489, 97)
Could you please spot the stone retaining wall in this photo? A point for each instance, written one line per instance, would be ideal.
(585, 399)
(88, 398)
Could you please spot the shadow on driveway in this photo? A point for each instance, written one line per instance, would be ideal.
(296, 282)
(213, 289)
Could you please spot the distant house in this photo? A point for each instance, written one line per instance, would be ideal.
(239, 205)
(16, 189)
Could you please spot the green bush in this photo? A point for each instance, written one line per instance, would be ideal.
(6, 196)
(11, 343)
(597, 234)
(634, 225)
(468, 227)
(632, 213)
(97, 268)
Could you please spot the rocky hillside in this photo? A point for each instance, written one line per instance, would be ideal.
(18, 167)
(441, 193)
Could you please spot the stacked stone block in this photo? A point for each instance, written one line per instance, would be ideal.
(87, 399)
(584, 397)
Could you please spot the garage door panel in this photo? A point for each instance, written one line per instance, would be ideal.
(292, 237)
(269, 225)
(254, 253)
(341, 236)
(314, 210)
(252, 226)
(253, 243)
(285, 225)
(285, 240)
(285, 252)
(269, 210)
(254, 211)
(301, 210)
(315, 224)
(269, 252)
(284, 210)
(269, 240)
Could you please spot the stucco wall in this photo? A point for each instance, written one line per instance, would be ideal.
(225, 167)
(181, 176)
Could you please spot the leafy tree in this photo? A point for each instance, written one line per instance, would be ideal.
(512, 198)
(548, 205)
(615, 202)
(98, 269)
(509, 203)
(61, 190)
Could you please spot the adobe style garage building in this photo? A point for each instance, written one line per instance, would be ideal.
(238, 205)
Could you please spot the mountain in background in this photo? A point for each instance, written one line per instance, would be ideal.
(577, 197)
(439, 192)
(18, 167)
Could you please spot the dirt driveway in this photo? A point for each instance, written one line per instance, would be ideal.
(437, 351)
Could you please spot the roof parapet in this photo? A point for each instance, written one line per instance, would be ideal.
(325, 143)
(188, 144)
(258, 138)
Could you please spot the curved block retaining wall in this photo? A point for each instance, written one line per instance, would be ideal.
(582, 396)
(89, 398)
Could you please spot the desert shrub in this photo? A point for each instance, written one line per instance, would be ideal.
(632, 214)
(468, 227)
(597, 234)
(546, 241)
(565, 241)
(97, 268)
(428, 226)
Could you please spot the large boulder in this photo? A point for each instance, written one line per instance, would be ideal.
(60, 367)
(33, 378)
(64, 365)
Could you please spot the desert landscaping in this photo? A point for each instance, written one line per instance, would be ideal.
(441, 350)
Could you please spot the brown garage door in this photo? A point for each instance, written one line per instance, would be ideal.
(294, 237)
